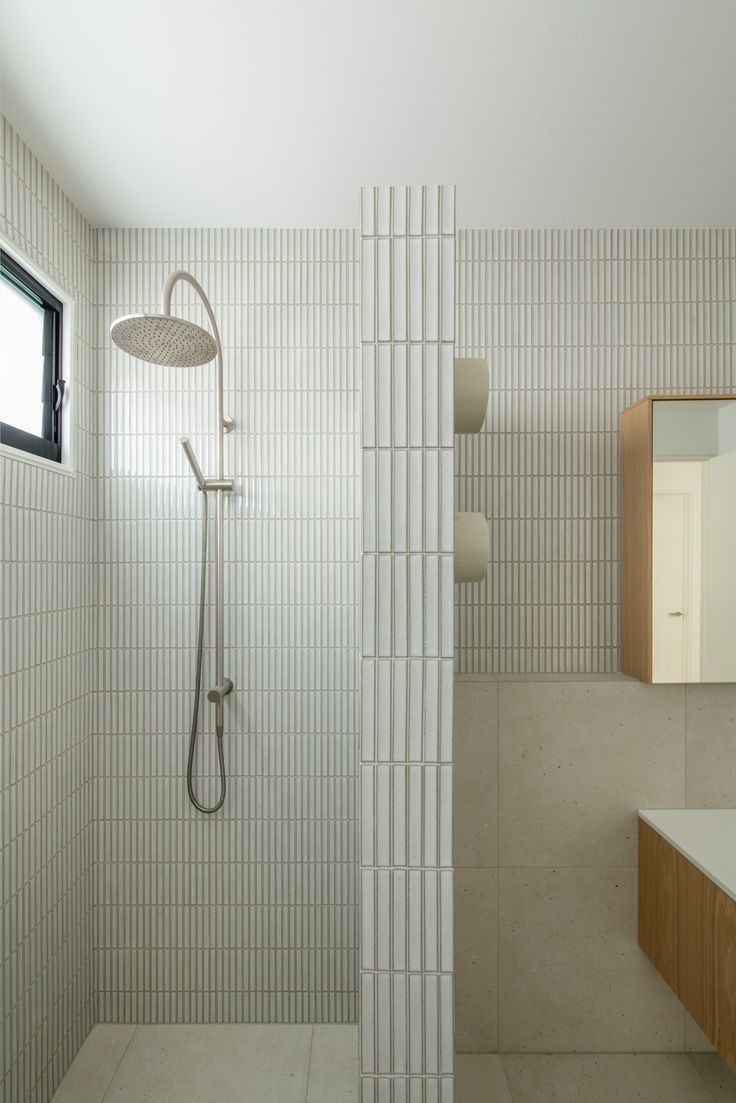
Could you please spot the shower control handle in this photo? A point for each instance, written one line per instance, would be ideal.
(196, 469)
(219, 692)
(202, 483)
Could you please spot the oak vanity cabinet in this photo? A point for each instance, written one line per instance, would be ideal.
(678, 539)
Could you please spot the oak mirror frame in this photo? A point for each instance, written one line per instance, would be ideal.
(678, 539)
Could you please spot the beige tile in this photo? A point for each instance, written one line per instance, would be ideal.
(230, 1064)
(719, 1078)
(711, 746)
(577, 760)
(91, 1071)
(695, 1040)
(333, 1067)
(603, 1078)
(476, 960)
(572, 977)
(475, 762)
(479, 1078)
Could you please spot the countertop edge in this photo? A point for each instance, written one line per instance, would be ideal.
(649, 817)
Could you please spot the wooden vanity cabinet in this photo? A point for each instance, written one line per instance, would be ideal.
(687, 927)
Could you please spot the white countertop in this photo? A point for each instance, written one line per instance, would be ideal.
(705, 836)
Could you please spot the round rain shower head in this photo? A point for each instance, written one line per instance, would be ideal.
(164, 339)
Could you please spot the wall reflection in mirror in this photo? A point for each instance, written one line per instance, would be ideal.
(694, 541)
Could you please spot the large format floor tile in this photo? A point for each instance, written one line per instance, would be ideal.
(89, 1075)
(572, 977)
(476, 960)
(575, 762)
(717, 1075)
(475, 774)
(333, 1069)
(603, 1078)
(479, 1078)
(223, 1063)
(711, 731)
(214, 1064)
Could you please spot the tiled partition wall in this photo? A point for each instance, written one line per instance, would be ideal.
(249, 915)
(576, 325)
(47, 532)
(407, 309)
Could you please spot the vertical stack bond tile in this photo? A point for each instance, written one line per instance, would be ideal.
(576, 325)
(47, 606)
(251, 914)
(407, 331)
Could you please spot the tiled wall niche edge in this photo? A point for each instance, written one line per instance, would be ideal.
(407, 331)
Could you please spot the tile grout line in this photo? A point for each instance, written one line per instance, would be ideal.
(309, 1064)
(117, 1066)
(505, 1078)
(702, 1078)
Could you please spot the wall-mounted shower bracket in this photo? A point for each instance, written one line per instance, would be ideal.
(219, 692)
(218, 484)
(200, 480)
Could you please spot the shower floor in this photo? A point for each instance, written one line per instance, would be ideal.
(214, 1064)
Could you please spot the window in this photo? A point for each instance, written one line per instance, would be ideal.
(31, 387)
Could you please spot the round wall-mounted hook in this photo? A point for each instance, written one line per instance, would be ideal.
(228, 424)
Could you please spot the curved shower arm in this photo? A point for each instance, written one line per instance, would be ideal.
(185, 277)
(224, 424)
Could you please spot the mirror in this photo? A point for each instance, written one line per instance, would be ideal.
(694, 540)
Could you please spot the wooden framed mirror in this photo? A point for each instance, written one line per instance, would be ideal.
(678, 539)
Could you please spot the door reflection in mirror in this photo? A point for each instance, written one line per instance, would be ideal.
(694, 541)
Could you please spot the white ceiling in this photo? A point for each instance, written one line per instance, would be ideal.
(273, 113)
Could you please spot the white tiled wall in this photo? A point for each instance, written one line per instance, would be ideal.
(121, 902)
(47, 535)
(407, 323)
(576, 325)
(250, 915)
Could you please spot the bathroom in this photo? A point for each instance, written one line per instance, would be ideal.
(366, 377)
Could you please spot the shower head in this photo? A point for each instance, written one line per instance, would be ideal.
(164, 339)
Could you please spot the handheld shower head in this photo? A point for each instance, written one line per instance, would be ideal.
(164, 339)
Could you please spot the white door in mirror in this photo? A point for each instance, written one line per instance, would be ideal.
(676, 570)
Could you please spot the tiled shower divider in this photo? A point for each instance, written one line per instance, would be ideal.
(48, 540)
(250, 915)
(407, 329)
(576, 325)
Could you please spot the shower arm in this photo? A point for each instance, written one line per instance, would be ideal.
(223, 685)
(224, 424)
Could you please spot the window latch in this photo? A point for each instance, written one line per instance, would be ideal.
(59, 386)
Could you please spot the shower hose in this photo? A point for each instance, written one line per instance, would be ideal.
(198, 683)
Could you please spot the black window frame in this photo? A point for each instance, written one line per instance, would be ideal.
(48, 445)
